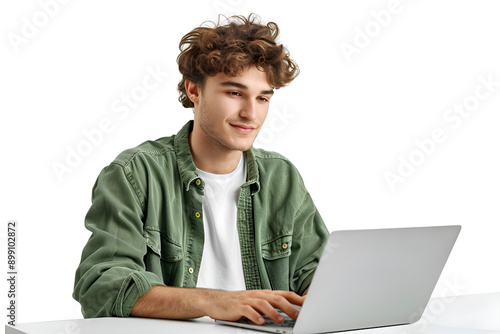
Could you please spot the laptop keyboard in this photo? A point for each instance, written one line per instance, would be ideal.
(288, 322)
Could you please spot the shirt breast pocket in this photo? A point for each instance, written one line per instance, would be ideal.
(163, 257)
(276, 255)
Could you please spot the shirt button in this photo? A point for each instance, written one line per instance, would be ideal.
(285, 246)
(191, 270)
(198, 182)
(197, 215)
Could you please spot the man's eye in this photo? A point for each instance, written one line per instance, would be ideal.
(234, 93)
(263, 99)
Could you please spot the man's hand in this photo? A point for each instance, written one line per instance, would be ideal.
(183, 303)
(233, 305)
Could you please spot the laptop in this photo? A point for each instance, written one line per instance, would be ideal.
(370, 278)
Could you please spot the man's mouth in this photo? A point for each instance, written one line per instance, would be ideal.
(243, 128)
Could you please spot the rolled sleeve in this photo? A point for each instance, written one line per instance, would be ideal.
(134, 286)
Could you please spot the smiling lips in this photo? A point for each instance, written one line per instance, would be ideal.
(243, 128)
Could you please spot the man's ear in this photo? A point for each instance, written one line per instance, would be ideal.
(192, 90)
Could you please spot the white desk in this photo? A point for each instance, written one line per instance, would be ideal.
(469, 314)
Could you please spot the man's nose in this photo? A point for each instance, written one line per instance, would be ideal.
(248, 109)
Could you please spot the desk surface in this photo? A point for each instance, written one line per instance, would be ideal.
(468, 314)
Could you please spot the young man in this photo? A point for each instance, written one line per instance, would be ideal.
(201, 223)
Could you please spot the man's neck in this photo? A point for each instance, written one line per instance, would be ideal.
(212, 158)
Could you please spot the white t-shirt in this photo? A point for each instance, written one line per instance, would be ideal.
(221, 266)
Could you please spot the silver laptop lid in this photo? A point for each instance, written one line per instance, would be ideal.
(374, 278)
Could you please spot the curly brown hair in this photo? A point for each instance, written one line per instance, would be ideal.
(231, 48)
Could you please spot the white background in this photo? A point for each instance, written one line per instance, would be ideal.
(345, 121)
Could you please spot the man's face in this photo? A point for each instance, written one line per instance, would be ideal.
(231, 110)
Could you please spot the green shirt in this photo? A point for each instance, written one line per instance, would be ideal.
(147, 226)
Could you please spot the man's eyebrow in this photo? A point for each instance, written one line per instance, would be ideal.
(242, 86)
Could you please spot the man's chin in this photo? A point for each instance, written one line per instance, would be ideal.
(242, 145)
(242, 148)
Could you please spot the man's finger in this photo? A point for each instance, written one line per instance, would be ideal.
(265, 307)
(279, 300)
(292, 297)
(254, 316)
(285, 306)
